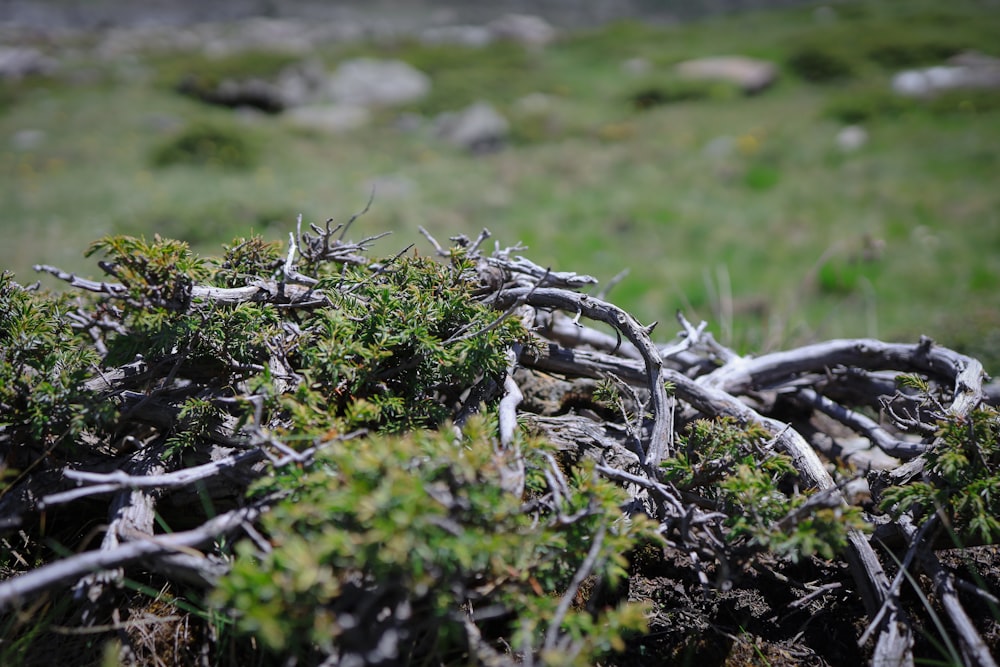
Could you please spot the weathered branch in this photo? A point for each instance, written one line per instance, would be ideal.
(17, 590)
(660, 439)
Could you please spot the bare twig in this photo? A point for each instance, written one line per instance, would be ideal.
(593, 554)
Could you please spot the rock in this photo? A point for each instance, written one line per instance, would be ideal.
(750, 74)
(26, 140)
(301, 83)
(478, 128)
(463, 35)
(967, 70)
(366, 82)
(332, 118)
(526, 29)
(636, 66)
(19, 62)
(235, 93)
(851, 138)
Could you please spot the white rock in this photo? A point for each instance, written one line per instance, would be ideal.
(17, 63)
(636, 66)
(366, 82)
(967, 70)
(25, 140)
(478, 128)
(524, 29)
(851, 138)
(750, 74)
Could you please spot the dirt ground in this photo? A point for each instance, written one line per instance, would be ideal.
(770, 616)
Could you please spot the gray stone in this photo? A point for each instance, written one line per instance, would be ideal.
(525, 29)
(852, 138)
(19, 62)
(965, 71)
(478, 128)
(636, 66)
(26, 140)
(301, 83)
(367, 82)
(750, 74)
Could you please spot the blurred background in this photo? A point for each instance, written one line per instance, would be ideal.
(788, 171)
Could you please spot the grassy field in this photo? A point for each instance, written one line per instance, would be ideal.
(738, 210)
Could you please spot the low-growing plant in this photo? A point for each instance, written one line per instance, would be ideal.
(962, 481)
(734, 470)
(208, 145)
(353, 423)
(42, 365)
(656, 94)
(408, 548)
(821, 63)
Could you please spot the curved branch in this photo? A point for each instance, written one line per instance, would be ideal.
(661, 437)
(775, 368)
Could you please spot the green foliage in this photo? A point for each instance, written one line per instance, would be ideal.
(246, 260)
(868, 103)
(208, 145)
(161, 271)
(733, 469)
(42, 366)
(840, 276)
(392, 542)
(395, 350)
(962, 480)
(909, 50)
(194, 422)
(656, 94)
(821, 63)
(399, 346)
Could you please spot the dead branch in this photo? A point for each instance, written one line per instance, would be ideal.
(17, 590)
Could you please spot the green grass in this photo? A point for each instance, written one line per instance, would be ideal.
(767, 242)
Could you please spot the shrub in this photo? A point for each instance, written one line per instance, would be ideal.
(387, 545)
(42, 365)
(672, 92)
(355, 422)
(962, 481)
(729, 468)
(820, 63)
(207, 145)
